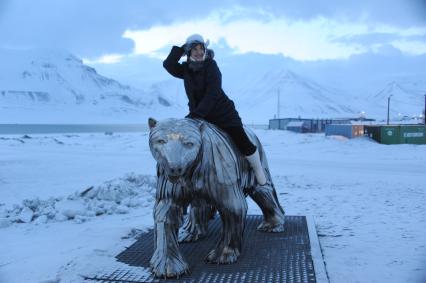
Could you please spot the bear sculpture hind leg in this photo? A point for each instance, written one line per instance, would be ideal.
(273, 214)
(233, 214)
(195, 226)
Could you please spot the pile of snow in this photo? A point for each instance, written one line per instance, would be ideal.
(112, 197)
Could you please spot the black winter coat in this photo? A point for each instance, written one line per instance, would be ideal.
(207, 99)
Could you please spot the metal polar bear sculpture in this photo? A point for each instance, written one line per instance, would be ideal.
(198, 165)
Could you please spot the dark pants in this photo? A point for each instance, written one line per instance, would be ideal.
(241, 140)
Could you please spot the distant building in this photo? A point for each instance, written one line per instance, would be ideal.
(311, 125)
(298, 126)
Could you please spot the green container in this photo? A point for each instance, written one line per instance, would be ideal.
(414, 134)
(397, 134)
(390, 134)
(372, 132)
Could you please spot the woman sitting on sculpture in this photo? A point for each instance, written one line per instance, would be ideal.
(207, 100)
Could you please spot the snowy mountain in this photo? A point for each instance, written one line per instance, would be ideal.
(54, 86)
(172, 91)
(47, 83)
(298, 96)
(407, 97)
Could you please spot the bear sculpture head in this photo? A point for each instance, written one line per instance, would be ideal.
(175, 145)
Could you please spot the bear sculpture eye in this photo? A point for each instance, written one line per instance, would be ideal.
(189, 144)
(161, 141)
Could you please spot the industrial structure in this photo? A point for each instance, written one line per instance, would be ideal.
(355, 127)
(303, 125)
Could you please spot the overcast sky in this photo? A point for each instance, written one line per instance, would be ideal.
(108, 31)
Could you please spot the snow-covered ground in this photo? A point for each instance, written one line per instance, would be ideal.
(70, 203)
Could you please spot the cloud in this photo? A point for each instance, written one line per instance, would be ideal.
(88, 28)
(396, 12)
(410, 47)
(368, 39)
(104, 59)
(96, 28)
(319, 38)
(410, 41)
(4, 4)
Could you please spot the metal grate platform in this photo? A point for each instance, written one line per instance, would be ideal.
(266, 257)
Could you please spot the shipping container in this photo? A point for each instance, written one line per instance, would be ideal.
(390, 134)
(347, 130)
(373, 132)
(397, 134)
(414, 134)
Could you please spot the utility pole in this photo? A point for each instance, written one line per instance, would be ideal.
(278, 104)
(388, 107)
(424, 112)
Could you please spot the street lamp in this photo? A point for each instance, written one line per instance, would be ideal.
(388, 107)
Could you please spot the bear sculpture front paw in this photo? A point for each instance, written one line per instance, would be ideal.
(169, 267)
(226, 255)
(271, 227)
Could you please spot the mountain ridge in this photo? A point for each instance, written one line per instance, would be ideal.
(38, 81)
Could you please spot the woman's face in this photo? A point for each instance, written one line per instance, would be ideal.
(197, 53)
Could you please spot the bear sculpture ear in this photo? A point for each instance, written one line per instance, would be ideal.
(152, 123)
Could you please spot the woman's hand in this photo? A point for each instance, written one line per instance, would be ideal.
(184, 51)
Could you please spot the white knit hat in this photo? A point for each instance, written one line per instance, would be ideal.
(195, 39)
